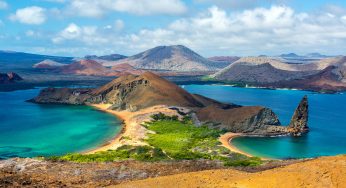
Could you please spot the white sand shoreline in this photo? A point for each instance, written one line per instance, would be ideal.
(135, 133)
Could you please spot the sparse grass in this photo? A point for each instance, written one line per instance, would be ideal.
(173, 140)
(141, 153)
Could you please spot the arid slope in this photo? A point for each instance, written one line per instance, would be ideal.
(326, 172)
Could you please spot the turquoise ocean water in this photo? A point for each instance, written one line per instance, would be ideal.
(327, 120)
(28, 129)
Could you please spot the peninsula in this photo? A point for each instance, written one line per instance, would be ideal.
(137, 98)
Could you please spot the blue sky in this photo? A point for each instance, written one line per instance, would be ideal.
(210, 27)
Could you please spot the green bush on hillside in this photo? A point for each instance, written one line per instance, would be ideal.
(173, 140)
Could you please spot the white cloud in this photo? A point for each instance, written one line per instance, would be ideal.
(251, 32)
(30, 15)
(3, 5)
(117, 26)
(270, 31)
(92, 8)
(85, 34)
(71, 32)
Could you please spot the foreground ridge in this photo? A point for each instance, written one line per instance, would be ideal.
(321, 172)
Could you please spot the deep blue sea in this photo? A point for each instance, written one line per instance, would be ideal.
(327, 121)
(28, 129)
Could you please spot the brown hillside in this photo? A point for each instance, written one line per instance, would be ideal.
(138, 92)
(325, 172)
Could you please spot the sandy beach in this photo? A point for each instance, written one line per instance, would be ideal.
(226, 139)
(133, 133)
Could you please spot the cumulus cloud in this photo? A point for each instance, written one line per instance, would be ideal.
(30, 15)
(255, 31)
(92, 8)
(3, 5)
(86, 34)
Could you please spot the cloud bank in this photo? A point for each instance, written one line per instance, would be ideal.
(251, 32)
(30, 15)
(92, 8)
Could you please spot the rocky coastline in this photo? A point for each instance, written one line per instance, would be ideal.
(135, 93)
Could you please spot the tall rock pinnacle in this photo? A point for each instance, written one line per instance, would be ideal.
(299, 121)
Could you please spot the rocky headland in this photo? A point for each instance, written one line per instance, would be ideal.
(135, 93)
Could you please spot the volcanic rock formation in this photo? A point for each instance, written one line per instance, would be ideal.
(10, 77)
(299, 121)
(135, 93)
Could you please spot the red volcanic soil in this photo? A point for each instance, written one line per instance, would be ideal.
(85, 67)
(124, 69)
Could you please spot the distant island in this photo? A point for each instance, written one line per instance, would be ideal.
(11, 77)
(314, 71)
(322, 75)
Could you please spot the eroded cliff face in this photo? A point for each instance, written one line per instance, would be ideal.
(299, 121)
(255, 121)
(62, 96)
(134, 93)
(238, 120)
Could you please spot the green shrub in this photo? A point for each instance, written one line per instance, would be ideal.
(173, 139)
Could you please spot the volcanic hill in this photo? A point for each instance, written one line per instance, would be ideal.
(10, 77)
(324, 74)
(170, 58)
(134, 93)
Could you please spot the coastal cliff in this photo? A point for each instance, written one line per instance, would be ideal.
(299, 121)
(135, 93)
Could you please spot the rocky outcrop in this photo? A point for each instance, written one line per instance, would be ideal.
(250, 120)
(134, 93)
(10, 77)
(255, 121)
(62, 96)
(299, 121)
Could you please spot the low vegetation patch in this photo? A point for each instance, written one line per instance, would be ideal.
(141, 153)
(173, 139)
